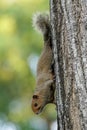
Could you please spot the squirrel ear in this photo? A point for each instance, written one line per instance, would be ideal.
(35, 97)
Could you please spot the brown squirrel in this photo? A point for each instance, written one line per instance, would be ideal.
(44, 92)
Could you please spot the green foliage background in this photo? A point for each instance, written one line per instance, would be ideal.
(18, 41)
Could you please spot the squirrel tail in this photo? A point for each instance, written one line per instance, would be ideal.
(41, 22)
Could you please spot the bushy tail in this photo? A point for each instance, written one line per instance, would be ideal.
(41, 22)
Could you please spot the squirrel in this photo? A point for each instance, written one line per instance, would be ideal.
(44, 91)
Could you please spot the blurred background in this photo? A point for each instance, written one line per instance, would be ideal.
(20, 47)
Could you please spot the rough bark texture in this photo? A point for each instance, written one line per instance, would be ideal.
(69, 35)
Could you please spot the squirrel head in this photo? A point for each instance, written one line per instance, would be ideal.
(37, 103)
(42, 97)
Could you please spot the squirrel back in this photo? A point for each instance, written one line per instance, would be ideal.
(41, 22)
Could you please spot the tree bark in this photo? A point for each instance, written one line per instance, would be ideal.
(69, 38)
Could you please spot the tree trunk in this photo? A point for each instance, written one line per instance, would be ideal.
(69, 36)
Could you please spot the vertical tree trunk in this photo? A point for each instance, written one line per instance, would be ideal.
(69, 35)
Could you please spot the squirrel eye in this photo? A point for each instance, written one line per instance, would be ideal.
(39, 108)
(35, 96)
(35, 104)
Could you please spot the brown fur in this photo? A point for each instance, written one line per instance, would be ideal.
(44, 91)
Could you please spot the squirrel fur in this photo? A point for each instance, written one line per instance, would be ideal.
(44, 91)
